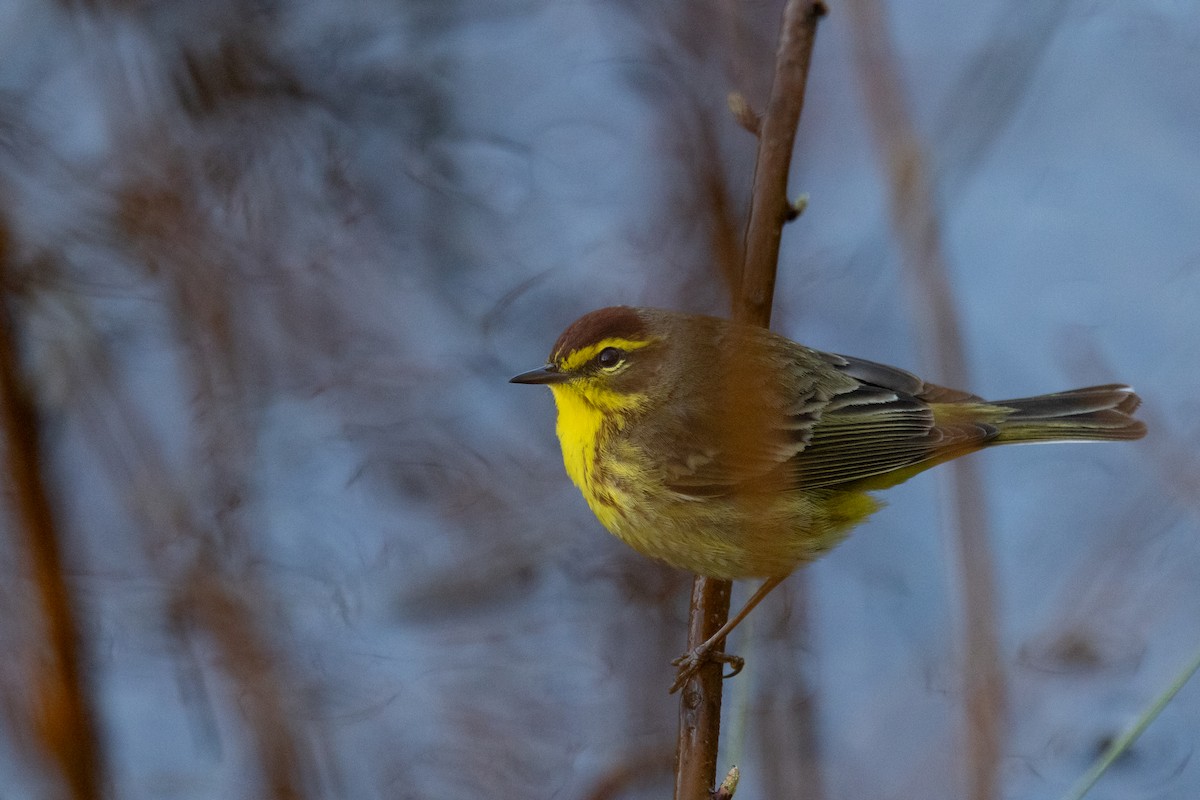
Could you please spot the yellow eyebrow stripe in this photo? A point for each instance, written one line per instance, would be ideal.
(578, 358)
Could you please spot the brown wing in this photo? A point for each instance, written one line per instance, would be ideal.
(835, 420)
(756, 414)
(890, 420)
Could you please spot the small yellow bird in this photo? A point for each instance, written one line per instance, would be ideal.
(732, 452)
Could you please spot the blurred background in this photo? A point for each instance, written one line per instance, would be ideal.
(268, 266)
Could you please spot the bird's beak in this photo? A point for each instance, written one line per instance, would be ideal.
(546, 374)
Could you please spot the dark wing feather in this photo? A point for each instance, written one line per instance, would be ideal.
(886, 423)
(897, 380)
(832, 420)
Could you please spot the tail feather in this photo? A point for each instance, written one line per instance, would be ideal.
(1094, 413)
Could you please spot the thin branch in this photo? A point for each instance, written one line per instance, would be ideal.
(67, 716)
(769, 205)
(915, 222)
(700, 703)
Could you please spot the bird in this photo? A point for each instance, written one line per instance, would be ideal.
(733, 452)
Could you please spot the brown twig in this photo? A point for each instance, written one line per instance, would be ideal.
(915, 223)
(769, 207)
(67, 719)
(700, 703)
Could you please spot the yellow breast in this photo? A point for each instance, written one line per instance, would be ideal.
(581, 430)
(579, 424)
(722, 536)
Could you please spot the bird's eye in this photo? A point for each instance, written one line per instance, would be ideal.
(609, 357)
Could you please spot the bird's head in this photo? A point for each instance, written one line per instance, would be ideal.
(611, 359)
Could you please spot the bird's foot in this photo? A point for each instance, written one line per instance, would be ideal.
(690, 662)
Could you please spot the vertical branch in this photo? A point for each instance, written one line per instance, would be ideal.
(700, 701)
(916, 225)
(67, 719)
(769, 207)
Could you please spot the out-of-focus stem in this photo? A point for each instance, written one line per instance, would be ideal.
(65, 708)
(700, 701)
(915, 222)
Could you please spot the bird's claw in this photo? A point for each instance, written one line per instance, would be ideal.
(690, 662)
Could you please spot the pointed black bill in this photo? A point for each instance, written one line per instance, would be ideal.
(546, 374)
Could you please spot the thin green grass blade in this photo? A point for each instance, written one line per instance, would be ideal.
(1125, 740)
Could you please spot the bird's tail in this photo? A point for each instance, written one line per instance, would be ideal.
(1096, 413)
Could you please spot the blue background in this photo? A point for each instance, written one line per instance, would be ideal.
(278, 260)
